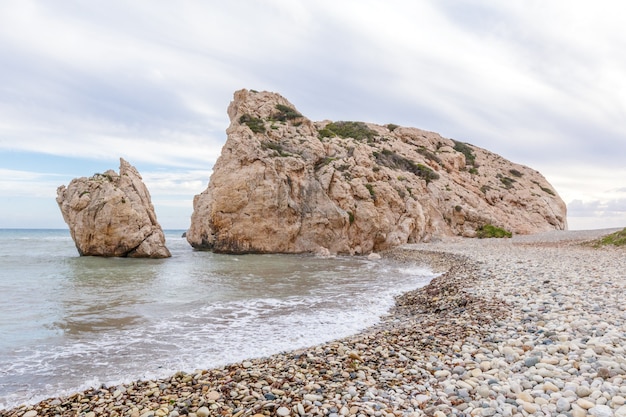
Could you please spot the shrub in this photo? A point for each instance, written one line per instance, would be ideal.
(354, 130)
(616, 239)
(254, 123)
(351, 217)
(370, 188)
(489, 231)
(285, 113)
(325, 133)
(544, 189)
(276, 147)
(508, 182)
(428, 154)
(465, 149)
(426, 173)
(102, 177)
(392, 127)
(392, 160)
(516, 173)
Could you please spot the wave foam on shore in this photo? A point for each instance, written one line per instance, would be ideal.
(514, 327)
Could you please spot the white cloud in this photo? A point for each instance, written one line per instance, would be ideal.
(170, 184)
(17, 183)
(540, 83)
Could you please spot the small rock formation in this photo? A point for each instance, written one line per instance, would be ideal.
(112, 215)
(286, 184)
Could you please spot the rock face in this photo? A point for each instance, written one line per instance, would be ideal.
(112, 215)
(286, 184)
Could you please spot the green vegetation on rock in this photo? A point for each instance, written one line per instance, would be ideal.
(392, 160)
(254, 123)
(616, 239)
(428, 154)
(508, 182)
(276, 147)
(354, 130)
(465, 149)
(285, 113)
(545, 189)
(489, 231)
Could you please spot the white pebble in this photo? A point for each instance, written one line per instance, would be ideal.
(283, 412)
(618, 400)
(203, 412)
(562, 405)
(601, 411)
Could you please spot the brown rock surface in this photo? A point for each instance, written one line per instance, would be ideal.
(111, 214)
(286, 184)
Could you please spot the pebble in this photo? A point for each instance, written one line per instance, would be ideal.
(601, 411)
(533, 325)
(532, 361)
(203, 412)
(213, 395)
(586, 404)
(562, 405)
(530, 408)
(583, 391)
(483, 391)
(283, 412)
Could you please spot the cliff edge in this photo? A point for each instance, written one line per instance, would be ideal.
(286, 184)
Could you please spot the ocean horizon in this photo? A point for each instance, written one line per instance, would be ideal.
(68, 323)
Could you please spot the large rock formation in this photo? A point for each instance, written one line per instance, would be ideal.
(112, 215)
(286, 184)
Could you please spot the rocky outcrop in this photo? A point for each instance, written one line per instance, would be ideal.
(112, 215)
(286, 184)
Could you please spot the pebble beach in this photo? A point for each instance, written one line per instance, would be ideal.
(528, 326)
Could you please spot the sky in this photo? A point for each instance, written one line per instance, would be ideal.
(83, 83)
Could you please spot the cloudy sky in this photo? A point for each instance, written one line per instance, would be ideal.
(84, 83)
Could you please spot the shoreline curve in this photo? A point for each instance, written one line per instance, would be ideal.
(529, 325)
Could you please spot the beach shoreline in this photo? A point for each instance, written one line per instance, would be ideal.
(534, 325)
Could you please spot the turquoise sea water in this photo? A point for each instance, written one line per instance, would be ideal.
(69, 322)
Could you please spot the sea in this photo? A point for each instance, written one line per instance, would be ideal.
(68, 323)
